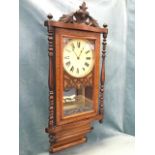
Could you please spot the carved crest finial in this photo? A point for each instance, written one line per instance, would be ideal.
(81, 16)
(83, 6)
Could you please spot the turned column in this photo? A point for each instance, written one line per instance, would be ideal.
(51, 72)
(102, 76)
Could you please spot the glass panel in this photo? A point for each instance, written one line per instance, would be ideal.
(78, 63)
(77, 100)
(78, 57)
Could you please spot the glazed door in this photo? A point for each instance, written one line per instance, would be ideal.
(77, 65)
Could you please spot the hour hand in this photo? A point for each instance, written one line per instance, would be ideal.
(72, 51)
(75, 54)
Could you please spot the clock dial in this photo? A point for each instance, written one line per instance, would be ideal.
(78, 57)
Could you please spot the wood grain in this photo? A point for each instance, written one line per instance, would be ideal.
(70, 130)
(67, 145)
(60, 34)
(75, 26)
(102, 78)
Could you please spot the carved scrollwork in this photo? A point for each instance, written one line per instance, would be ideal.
(77, 82)
(80, 16)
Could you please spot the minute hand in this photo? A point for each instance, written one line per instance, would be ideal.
(81, 52)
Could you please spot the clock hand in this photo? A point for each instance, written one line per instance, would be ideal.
(80, 53)
(76, 55)
(73, 51)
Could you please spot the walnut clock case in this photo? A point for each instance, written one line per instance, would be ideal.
(76, 84)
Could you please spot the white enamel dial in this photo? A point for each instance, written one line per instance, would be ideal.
(78, 57)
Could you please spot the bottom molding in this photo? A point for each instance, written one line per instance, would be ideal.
(56, 148)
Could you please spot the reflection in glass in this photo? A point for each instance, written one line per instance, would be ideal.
(77, 100)
(78, 63)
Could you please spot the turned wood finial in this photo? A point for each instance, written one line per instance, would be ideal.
(105, 25)
(49, 16)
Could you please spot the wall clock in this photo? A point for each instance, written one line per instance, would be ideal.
(76, 83)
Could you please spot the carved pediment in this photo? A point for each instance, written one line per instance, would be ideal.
(80, 16)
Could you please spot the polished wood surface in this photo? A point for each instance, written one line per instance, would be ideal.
(71, 134)
(58, 147)
(60, 33)
(51, 75)
(67, 131)
(102, 78)
(75, 26)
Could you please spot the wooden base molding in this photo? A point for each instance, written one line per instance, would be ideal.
(74, 100)
(67, 144)
(69, 135)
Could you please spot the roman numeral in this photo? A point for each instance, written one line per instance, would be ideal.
(88, 58)
(66, 57)
(73, 47)
(72, 69)
(68, 63)
(87, 52)
(86, 64)
(77, 71)
(78, 44)
(83, 68)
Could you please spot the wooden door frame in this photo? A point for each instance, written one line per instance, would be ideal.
(60, 33)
